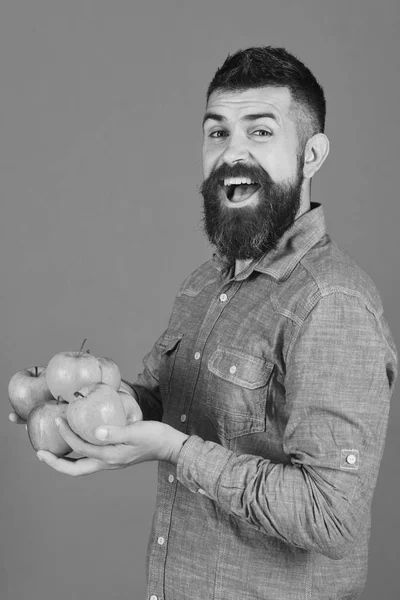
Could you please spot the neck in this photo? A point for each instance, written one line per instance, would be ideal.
(305, 198)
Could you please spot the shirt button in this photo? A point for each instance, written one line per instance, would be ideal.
(160, 541)
(171, 478)
(223, 297)
(183, 418)
(197, 356)
(153, 597)
(351, 459)
(232, 369)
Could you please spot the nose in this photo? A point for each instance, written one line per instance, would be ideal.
(235, 151)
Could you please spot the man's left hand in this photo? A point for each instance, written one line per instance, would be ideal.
(132, 444)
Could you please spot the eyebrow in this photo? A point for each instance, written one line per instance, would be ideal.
(250, 117)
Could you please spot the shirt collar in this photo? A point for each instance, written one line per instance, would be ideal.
(305, 232)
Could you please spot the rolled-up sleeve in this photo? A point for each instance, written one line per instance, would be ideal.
(147, 385)
(341, 366)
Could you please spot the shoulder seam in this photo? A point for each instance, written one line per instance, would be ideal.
(312, 302)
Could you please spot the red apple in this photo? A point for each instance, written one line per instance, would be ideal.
(132, 408)
(110, 373)
(27, 388)
(95, 405)
(42, 430)
(67, 372)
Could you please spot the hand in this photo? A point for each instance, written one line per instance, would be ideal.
(14, 418)
(135, 443)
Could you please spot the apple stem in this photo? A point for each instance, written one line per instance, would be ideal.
(36, 372)
(81, 348)
(78, 395)
(58, 399)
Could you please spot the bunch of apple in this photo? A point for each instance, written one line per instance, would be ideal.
(85, 390)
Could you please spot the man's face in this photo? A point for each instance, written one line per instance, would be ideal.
(252, 168)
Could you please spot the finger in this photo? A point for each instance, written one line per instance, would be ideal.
(114, 434)
(77, 443)
(14, 418)
(134, 433)
(71, 466)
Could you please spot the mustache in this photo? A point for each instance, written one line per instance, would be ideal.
(255, 173)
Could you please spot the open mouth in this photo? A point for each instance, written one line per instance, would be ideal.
(239, 189)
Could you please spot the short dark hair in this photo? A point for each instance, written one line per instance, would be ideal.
(268, 66)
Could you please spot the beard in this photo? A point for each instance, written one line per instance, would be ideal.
(251, 231)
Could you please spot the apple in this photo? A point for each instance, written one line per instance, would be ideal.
(110, 373)
(67, 372)
(42, 429)
(27, 388)
(125, 387)
(129, 400)
(132, 409)
(95, 405)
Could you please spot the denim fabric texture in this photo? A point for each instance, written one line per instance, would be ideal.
(282, 378)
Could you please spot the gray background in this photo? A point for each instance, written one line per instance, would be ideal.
(100, 163)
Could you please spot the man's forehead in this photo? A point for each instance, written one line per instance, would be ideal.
(269, 97)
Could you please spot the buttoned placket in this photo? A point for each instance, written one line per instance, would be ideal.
(169, 485)
(218, 305)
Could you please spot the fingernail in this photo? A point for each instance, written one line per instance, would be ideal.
(101, 433)
(40, 457)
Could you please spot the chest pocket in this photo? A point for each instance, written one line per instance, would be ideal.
(237, 392)
(168, 345)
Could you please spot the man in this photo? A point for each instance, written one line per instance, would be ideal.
(266, 400)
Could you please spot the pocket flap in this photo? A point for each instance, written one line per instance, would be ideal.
(242, 369)
(169, 342)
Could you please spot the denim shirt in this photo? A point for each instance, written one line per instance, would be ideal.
(282, 378)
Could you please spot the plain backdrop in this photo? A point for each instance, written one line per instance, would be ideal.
(100, 165)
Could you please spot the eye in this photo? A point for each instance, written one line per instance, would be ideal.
(218, 133)
(262, 133)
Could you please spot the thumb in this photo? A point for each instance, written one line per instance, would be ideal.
(112, 434)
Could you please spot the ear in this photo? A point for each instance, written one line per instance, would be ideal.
(315, 153)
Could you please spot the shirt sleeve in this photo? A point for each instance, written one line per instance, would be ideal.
(146, 387)
(340, 372)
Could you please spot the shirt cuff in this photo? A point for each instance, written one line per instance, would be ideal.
(200, 466)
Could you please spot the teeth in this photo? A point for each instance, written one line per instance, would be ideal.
(238, 181)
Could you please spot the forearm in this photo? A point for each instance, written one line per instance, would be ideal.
(284, 501)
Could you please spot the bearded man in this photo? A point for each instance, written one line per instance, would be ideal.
(266, 399)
